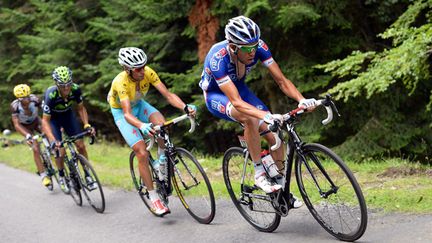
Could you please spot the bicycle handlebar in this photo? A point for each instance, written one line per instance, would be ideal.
(326, 102)
(75, 137)
(170, 122)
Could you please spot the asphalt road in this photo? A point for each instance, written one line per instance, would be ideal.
(30, 213)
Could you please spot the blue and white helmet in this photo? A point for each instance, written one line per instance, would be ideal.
(132, 57)
(242, 30)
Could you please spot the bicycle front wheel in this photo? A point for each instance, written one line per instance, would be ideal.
(73, 183)
(92, 188)
(331, 192)
(253, 204)
(193, 186)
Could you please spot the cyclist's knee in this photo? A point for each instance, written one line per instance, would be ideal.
(249, 122)
(157, 118)
(80, 146)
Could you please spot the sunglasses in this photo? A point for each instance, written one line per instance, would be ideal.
(248, 49)
(139, 69)
(65, 85)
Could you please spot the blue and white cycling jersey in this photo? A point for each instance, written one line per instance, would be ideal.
(219, 68)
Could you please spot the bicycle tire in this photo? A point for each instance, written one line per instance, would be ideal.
(49, 168)
(139, 184)
(259, 213)
(337, 209)
(93, 194)
(189, 175)
(73, 184)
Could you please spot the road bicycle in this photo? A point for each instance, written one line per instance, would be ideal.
(327, 186)
(185, 175)
(80, 175)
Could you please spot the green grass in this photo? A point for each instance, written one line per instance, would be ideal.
(392, 185)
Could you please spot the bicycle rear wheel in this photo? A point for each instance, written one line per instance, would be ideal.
(253, 204)
(140, 186)
(331, 192)
(193, 186)
(73, 183)
(92, 188)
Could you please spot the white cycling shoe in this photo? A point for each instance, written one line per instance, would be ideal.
(296, 203)
(263, 183)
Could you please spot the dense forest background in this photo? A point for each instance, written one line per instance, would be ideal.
(373, 56)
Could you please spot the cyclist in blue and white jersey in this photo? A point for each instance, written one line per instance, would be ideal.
(227, 96)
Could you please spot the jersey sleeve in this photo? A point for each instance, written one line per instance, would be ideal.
(77, 93)
(264, 54)
(219, 67)
(14, 108)
(153, 77)
(48, 102)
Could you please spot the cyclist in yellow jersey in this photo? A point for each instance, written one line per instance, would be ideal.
(132, 114)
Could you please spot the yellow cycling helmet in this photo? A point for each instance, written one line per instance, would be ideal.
(21, 91)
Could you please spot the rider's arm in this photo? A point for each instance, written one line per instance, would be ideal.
(18, 127)
(172, 98)
(82, 112)
(284, 84)
(233, 95)
(127, 111)
(46, 127)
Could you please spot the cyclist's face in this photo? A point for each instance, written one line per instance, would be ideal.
(138, 73)
(65, 88)
(246, 53)
(25, 101)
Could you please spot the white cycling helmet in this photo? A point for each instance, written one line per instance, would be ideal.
(132, 57)
(242, 30)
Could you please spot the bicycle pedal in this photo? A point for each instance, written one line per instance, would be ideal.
(249, 189)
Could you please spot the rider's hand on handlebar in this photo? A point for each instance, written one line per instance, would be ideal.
(190, 109)
(308, 104)
(29, 139)
(147, 129)
(270, 118)
(92, 130)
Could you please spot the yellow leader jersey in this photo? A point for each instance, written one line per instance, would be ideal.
(123, 87)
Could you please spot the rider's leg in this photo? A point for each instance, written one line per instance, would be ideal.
(251, 133)
(81, 147)
(157, 118)
(143, 163)
(278, 154)
(252, 138)
(37, 157)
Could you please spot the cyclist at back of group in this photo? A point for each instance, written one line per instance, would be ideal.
(227, 96)
(26, 121)
(133, 114)
(58, 114)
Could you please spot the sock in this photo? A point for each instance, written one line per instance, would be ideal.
(153, 195)
(259, 169)
(61, 173)
(43, 174)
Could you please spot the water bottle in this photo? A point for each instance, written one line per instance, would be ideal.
(160, 166)
(269, 163)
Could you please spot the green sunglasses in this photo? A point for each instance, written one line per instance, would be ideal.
(248, 49)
